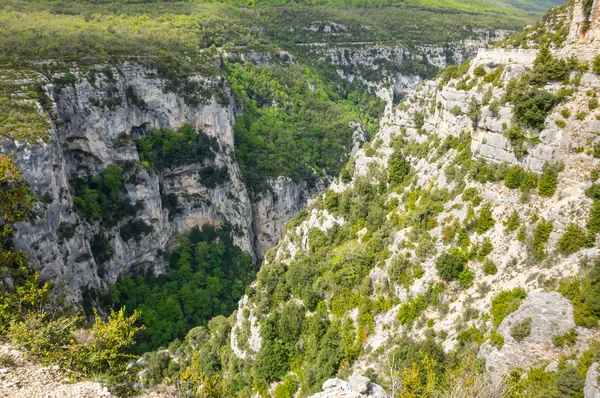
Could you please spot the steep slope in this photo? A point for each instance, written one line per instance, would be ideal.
(466, 229)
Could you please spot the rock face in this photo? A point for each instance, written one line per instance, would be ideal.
(591, 389)
(120, 105)
(356, 387)
(551, 315)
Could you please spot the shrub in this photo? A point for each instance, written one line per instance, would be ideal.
(596, 65)
(456, 111)
(101, 349)
(479, 71)
(419, 120)
(592, 104)
(548, 181)
(449, 266)
(489, 268)
(496, 339)
(485, 221)
(6, 360)
(565, 113)
(505, 303)
(513, 221)
(581, 115)
(593, 223)
(520, 330)
(532, 106)
(135, 230)
(516, 136)
(560, 123)
(530, 181)
(584, 294)
(522, 234)
(513, 177)
(548, 68)
(469, 194)
(398, 168)
(569, 339)
(474, 110)
(465, 278)
(572, 240)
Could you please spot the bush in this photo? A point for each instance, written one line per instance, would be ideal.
(479, 71)
(398, 168)
(517, 139)
(135, 230)
(99, 350)
(505, 303)
(496, 339)
(513, 221)
(560, 123)
(513, 177)
(520, 330)
(456, 111)
(465, 278)
(572, 240)
(548, 68)
(449, 266)
(541, 233)
(548, 181)
(593, 223)
(489, 268)
(568, 339)
(596, 65)
(532, 106)
(485, 221)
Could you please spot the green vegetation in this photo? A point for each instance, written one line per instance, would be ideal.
(449, 266)
(207, 276)
(410, 311)
(549, 179)
(20, 118)
(596, 65)
(520, 330)
(289, 128)
(167, 149)
(567, 339)
(513, 221)
(397, 168)
(100, 197)
(541, 234)
(573, 239)
(30, 314)
(584, 293)
(489, 268)
(505, 303)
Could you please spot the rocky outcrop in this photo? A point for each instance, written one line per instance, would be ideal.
(97, 119)
(591, 389)
(551, 315)
(356, 387)
(585, 25)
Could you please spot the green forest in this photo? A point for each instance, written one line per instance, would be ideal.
(207, 276)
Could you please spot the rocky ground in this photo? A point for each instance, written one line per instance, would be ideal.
(23, 377)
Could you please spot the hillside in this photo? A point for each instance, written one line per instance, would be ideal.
(100, 103)
(456, 255)
(377, 207)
